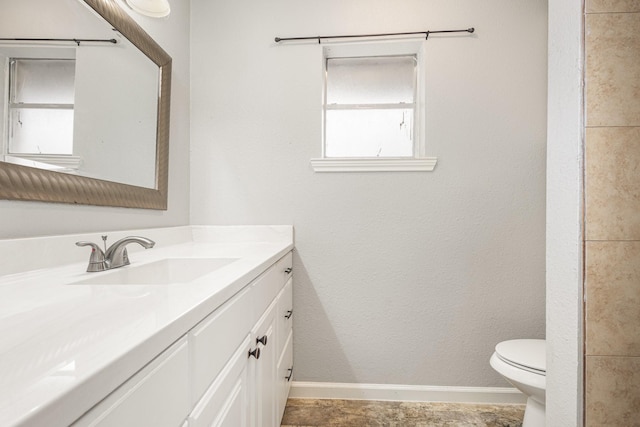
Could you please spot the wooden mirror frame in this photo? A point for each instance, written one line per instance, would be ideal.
(26, 183)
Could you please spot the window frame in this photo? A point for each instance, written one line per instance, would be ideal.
(386, 48)
(51, 161)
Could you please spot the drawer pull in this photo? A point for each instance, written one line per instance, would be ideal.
(255, 353)
(262, 340)
(289, 314)
(288, 270)
(288, 377)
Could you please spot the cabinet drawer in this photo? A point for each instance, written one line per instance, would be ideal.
(286, 266)
(225, 403)
(284, 376)
(269, 284)
(156, 396)
(284, 315)
(213, 341)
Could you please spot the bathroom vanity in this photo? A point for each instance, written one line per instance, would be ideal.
(195, 332)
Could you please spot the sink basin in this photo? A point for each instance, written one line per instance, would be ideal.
(162, 272)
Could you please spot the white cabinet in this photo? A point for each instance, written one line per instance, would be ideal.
(263, 311)
(284, 332)
(229, 370)
(215, 339)
(285, 315)
(284, 373)
(264, 370)
(226, 401)
(156, 396)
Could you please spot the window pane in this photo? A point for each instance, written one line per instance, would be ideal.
(40, 81)
(369, 133)
(41, 131)
(371, 80)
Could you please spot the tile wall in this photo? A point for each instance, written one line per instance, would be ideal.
(612, 206)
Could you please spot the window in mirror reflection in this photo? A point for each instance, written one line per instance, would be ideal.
(40, 108)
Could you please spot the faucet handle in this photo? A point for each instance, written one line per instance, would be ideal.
(96, 260)
(125, 257)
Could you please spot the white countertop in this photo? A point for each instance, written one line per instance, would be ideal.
(64, 347)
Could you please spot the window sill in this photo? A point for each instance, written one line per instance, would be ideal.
(423, 164)
(51, 162)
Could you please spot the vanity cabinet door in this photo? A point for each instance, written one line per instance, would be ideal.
(226, 401)
(156, 396)
(264, 371)
(214, 340)
(284, 375)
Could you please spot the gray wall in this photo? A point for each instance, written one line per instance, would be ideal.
(402, 278)
(26, 219)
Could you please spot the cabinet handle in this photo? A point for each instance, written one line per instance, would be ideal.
(288, 377)
(289, 314)
(288, 270)
(262, 340)
(255, 353)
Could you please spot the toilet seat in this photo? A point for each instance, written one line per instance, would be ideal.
(523, 364)
(525, 354)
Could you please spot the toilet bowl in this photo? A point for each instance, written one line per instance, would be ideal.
(523, 364)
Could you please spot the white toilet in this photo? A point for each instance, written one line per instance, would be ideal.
(523, 364)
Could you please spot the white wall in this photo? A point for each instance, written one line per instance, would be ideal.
(564, 215)
(405, 278)
(24, 219)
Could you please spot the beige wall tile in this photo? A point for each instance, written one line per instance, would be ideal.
(613, 69)
(612, 183)
(612, 391)
(599, 6)
(613, 298)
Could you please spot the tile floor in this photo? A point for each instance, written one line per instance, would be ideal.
(365, 413)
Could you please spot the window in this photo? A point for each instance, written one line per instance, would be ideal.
(370, 106)
(373, 108)
(40, 109)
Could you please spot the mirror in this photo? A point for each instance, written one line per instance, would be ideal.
(105, 140)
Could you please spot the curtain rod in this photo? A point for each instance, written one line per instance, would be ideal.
(77, 41)
(426, 33)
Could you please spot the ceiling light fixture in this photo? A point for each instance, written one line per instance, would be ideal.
(152, 8)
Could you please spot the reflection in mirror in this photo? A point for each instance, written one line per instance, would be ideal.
(84, 113)
(40, 106)
(87, 96)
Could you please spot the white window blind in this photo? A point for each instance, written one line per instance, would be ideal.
(41, 97)
(370, 106)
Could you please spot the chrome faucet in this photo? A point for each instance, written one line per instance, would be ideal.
(114, 257)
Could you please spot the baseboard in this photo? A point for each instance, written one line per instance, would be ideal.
(406, 393)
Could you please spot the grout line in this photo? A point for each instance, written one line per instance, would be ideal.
(612, 13)
(612, 240)
(613, 355)
(616, 126)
